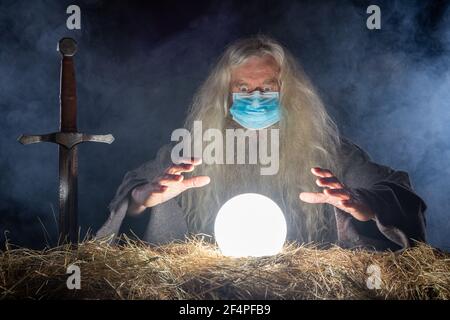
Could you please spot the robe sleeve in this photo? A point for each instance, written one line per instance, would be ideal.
(162, 223)
(399, 212)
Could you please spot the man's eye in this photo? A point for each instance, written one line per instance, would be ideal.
(243, 88)
(267, 89)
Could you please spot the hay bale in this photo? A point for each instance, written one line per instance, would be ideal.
(196, 270)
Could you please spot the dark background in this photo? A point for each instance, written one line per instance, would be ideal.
(139, 64)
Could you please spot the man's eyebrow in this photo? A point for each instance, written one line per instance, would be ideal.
(271, 80)
(239, 82)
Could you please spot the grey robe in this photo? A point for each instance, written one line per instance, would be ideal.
(399, 213)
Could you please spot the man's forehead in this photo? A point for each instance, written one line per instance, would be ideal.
(250, 76)
(245, 80)
(256, 68)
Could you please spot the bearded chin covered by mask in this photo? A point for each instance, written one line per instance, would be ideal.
(256, 110)
(253, 111)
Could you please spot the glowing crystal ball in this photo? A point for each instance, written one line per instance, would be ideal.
(250, 224)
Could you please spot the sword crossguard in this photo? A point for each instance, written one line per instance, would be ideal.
(66, 139)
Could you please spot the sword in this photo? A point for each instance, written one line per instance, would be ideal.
(67, 138)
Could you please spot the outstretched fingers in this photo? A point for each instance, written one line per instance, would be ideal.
(313, 197)
(180, 168)
(320, 172)
(329, 182)
(342, 194)
(189, 160)
(196, 182)
(170, 179)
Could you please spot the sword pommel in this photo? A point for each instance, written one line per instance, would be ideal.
(67, 47)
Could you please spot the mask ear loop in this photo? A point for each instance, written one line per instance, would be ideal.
(280, 88)
(227, 105)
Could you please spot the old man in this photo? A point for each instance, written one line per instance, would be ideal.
(328, 188)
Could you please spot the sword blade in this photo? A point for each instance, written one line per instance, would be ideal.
(68, 191)
(68, 166)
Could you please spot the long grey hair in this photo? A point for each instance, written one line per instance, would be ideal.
(308, 138)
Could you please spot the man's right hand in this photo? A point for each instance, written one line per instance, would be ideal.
(166, 186)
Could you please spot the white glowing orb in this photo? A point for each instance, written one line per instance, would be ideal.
(250, 224)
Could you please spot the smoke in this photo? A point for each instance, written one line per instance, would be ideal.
(138, 66)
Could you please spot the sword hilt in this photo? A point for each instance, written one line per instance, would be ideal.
(66, 139)
(68, 92)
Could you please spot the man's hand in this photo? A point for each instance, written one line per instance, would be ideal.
(166, 186)
(336, 194)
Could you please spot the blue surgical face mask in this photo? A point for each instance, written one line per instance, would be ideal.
(256, 110)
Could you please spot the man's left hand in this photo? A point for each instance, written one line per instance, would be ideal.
(336, 194)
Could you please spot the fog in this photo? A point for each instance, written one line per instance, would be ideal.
(138, 67)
